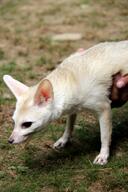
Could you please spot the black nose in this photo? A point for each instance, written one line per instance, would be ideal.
(11, 141)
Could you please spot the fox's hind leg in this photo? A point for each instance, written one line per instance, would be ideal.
(106, 131)
(67, 133)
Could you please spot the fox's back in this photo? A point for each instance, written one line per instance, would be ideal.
(90, 72)
(93, 69)
(104, 59)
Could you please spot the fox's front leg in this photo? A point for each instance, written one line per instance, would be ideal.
(106, 131)
(67, 133)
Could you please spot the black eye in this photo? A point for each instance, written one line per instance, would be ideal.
(26, 124)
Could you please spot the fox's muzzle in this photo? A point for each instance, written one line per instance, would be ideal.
(10, 140)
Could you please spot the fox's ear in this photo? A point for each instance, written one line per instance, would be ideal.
(44, 92)
(16, 87)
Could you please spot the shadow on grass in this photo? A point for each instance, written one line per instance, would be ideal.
(120, 127)
(86, 141)
(52, 159)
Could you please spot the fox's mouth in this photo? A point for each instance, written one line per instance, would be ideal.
(17, 141)
(28, 134)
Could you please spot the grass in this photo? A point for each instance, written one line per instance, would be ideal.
(38, 168)
(27, 52)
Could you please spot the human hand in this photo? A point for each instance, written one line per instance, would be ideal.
(119, 90)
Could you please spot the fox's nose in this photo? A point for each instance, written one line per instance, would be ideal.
(11, 141)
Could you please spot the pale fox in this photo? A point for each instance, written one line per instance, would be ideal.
(80, 82)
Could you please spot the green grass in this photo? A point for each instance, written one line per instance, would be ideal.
(27, 52)
(39, 167)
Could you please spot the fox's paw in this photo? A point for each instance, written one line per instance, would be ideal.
(60, 143)
(101, 159)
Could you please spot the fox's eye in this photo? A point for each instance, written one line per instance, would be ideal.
(26, 124)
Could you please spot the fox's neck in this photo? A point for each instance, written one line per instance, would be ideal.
(64, 88)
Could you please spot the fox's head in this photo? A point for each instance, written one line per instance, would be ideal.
(33, 107)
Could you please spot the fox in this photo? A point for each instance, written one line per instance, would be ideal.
(81, 82)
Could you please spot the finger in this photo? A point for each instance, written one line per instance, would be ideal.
(122, 82)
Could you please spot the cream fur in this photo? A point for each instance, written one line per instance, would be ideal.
(80, 82)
